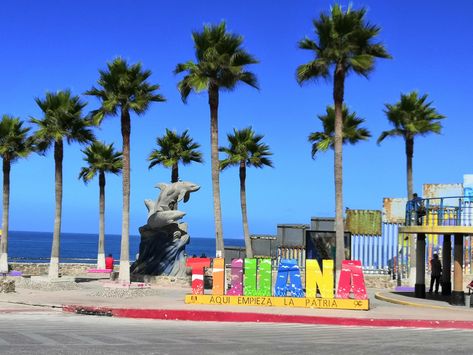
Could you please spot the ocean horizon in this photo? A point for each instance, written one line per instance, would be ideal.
(28, 246)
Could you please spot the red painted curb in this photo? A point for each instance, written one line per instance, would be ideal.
(216, 316)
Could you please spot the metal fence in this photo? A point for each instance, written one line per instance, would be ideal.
(297, 253)
(378, 254)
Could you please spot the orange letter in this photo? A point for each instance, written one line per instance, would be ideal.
(218, 276)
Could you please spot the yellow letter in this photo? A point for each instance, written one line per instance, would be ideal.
(314, 278)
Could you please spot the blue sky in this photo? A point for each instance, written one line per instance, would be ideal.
(54, 45)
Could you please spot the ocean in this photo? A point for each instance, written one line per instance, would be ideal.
(82, 248)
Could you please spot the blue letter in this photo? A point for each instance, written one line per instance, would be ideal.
(288, 268)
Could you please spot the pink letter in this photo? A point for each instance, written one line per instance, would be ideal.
(352, 273)
(237, 278)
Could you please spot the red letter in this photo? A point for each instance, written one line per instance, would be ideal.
(198, 265)
(352, 273)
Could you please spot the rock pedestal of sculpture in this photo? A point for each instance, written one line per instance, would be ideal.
(163, 239)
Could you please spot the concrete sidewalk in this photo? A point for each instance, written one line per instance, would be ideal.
(388, 308)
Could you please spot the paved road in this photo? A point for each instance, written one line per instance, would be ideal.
(51, 332)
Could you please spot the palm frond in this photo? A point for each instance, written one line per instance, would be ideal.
(313, 70)
(220, 60)
(123, 86)
(245, 146)
(100, 157)
(412, 115)
(352, 132)
(63, 119)
(15, 142)
(342, 38)
(174, 148)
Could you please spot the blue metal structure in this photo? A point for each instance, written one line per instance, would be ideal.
(440, 211)
(443, 211)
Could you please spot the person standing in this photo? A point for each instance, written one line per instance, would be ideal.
(109, 262)
(436, 273)
(416, 209)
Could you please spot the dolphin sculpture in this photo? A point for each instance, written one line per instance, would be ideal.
(161, 219)
(170, 195)
(163, 237)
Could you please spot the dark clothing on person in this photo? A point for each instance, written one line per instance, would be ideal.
(109, 262)
(436, 273)
(416, 209)
(436, 280)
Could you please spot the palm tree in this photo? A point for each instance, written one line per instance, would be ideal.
(101, 158)
(62, 120)
(412, 116)
(245, 150)
(14, 144)
(124, 88)
(221, 65)
(173, 149)
(344, 43)
(352, 133)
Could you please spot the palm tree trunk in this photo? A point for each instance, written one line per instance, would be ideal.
(409, 157)
(410, 192)
(174, 173)
(338, 93)
(244, 213)
(124, 270)
(101, 251)
(175, 178)
(6, 209)
(213, 102)
(58, 157)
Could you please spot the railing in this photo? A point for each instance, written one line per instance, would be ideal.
(441, 211)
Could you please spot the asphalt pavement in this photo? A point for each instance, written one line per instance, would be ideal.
(56, 332)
